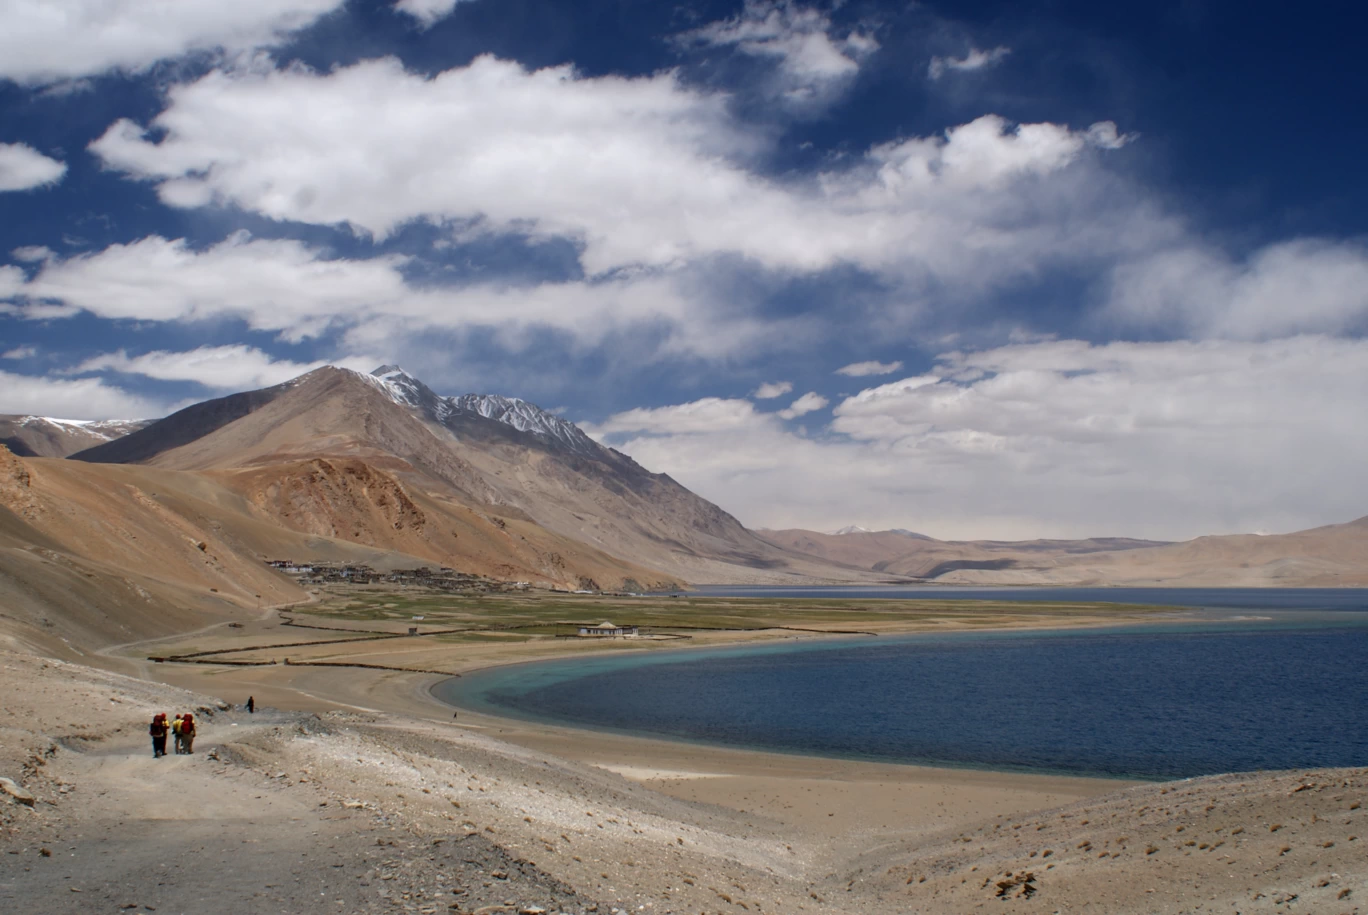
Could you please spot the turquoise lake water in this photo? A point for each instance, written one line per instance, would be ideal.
(1262, 680)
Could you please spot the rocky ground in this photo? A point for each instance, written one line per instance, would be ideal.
(294, 812)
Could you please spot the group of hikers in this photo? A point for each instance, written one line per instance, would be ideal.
(182, 728)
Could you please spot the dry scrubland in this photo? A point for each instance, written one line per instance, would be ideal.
(368, 798)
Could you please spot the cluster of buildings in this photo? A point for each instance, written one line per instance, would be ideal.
(441, 579)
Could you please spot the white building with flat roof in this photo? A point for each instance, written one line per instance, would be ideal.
(606, 630)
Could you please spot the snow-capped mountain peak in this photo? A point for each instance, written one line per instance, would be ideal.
(404, 389)
(851, 529)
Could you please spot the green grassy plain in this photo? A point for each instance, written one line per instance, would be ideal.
(549, 614)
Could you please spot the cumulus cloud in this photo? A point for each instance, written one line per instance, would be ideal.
(812, 60)
(1302, 286)
(231, 367)
(808, 403)
(272, 284)
(20, 352)
(974, 60)
(46, 41)
(1061, 438)
(22, 168)
(73, 398)
(427, 12)
(493, 147)
(986, 152)
(862, 369)
(772, 389)
(491, 142)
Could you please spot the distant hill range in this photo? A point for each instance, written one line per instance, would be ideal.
(42, 436)
(1331, 556)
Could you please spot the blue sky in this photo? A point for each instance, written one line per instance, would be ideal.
(976, 269)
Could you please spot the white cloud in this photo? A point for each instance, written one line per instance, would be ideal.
(22, 167)
(711, 414)
(230, 367)
(772, 389)
(11, 284)
(812, 61)
(808, 403)
(515, 150)
(272, 284)
(974, 60)
(32, 253)
(46, 41)
(496, 148)
(861, 369)
(1303, 286)
(427, 12)
(1064, 438)
(73, 398)
(20, 352)
(986, 152)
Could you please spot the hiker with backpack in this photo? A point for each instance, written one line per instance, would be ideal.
(187, 733)
(158, 729)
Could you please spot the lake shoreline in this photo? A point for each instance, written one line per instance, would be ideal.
(471, 693)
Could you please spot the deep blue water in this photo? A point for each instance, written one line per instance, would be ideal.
(1273, 689)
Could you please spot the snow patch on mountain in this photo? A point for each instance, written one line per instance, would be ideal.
(856, 529)
(107, 429)
(850, 529)
(526, 417)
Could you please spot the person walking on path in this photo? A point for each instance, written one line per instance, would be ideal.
(176, 734)
(158, 731)
(251, 705)
(187, 732)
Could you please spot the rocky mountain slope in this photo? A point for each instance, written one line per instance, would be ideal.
(43, 436)
(486, 455)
